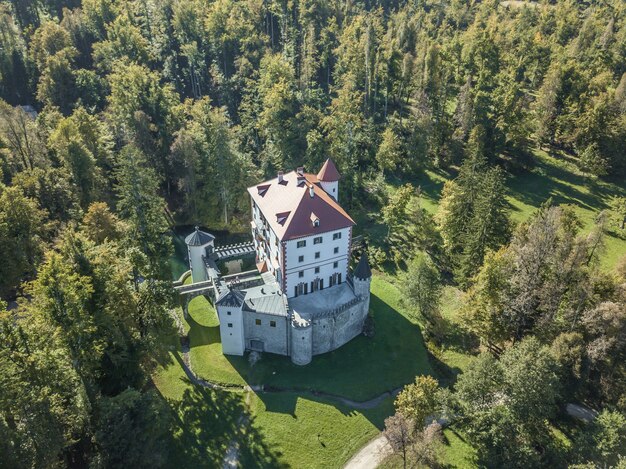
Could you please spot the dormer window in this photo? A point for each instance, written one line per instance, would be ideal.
(281, 218)
(315, 220)
(263, 189)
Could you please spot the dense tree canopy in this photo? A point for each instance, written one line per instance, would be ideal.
(121, 117)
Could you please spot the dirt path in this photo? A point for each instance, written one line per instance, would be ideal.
(371, 455)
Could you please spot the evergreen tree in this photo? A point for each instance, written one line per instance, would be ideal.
(473, 215)
(423, 287)
(143, 209)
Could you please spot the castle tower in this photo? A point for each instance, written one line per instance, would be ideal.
(199, 244)
(329, 179)
(229, 311)
(362, 278)
(301, 339)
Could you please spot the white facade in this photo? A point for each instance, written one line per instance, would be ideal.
(300, 269)
(316, 265)
(231, 329)
(331, 188)
(196, 261)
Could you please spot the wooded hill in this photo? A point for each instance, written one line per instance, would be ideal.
(112, 111)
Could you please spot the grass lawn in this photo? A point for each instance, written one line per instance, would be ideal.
(455, 452)
(313, 433)
(555, 177)
(289, 428)
(560, 179)
(360, 370)
(285, 429)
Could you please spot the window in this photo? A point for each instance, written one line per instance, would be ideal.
(337, 235)
(317, 240)
(301, 244)
(301, 274)
(300, 258)
(336, 251)
(272, 323)
(335, 264)
(230, 324)
(257, 322)
(228, 313)
(317, 255)
(317, 270)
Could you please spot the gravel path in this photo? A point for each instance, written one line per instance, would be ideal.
(371, 455)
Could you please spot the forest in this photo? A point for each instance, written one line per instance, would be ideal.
(123, 119)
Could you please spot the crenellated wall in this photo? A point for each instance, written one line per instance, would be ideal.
(326, 332)
(336, 330)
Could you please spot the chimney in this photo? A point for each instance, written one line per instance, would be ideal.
(311, 191)
(280, 176)
(300, 171)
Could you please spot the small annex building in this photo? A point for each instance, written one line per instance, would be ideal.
(301, 300)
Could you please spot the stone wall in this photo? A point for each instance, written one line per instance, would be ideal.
(301, 341)
(334, 331)
(274, 338)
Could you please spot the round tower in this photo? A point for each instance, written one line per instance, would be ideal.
(199, 244)
(328, 178)
(301, 340)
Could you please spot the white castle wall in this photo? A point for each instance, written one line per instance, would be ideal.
(331, 188)
(326, 333)
(333, 332)
(325, 262)
(196, 264)
(301, 342)
(233, 342)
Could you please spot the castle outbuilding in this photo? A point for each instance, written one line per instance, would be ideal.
(301, 300)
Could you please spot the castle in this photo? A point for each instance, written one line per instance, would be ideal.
(301, 300)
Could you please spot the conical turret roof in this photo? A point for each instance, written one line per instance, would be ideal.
(362, 269)
(329, 172)
(199, 238)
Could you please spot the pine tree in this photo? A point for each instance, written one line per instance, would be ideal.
(143, 209)
(473, 214)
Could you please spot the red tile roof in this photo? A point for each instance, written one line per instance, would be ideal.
(329, 172)
(275, 200)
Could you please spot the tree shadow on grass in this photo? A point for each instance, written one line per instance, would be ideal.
(204, 327)
(551, 180)
(200, 334)
(206, 423)
(360, 370)
(457, 338)
(446, 374)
